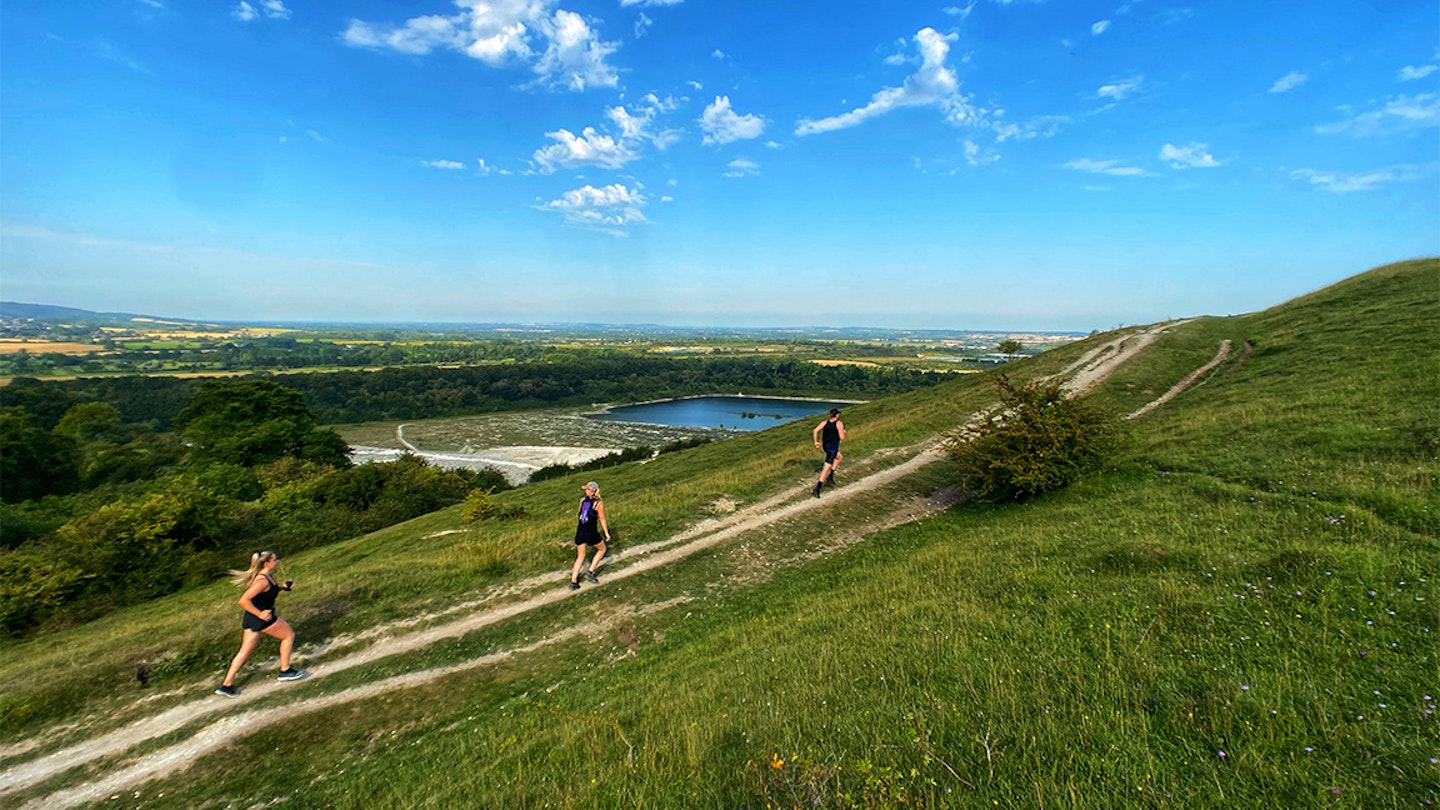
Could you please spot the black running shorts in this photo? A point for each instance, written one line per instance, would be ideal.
(253, 622)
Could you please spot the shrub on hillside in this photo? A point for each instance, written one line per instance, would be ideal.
(1037, 440)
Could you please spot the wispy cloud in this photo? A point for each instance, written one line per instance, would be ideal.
(1400, 114)
(642, 25)
(1041, 126)
(959, 11)
(1099, 28)
(1410, 73)
(1119, 89)
(1189, 156)
(722, 125)
(932, 85)
(1344, 182)
(628, 3)
(445, 164)
(741, 167)
(1103, 167)
(316, 137)
(1288, 82)
(976, 155)
(245, 12)
(559, 46)
(485, 168)
(611, 209)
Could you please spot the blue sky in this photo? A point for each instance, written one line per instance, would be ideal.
(993, 164)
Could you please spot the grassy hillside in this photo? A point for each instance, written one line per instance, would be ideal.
(1241, 611)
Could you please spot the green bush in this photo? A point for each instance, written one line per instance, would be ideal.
(477, 506)
(1037, 440)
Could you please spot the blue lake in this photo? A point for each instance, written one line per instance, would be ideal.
(731, 413)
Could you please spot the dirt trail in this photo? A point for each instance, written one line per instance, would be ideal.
(1186, 382)
(531, 593)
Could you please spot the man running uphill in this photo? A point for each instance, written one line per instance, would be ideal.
(828, 435)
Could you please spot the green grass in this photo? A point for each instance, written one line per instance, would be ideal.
(1256, 576)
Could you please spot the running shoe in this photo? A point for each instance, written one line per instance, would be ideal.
(830, 479)
(574, 586)
(817, 488)
(227, 691)
(590, 578)
(291, 674)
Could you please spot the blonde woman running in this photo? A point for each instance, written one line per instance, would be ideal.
(588, 533)
(258, 601)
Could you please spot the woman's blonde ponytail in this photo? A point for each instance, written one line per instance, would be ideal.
(257, 561)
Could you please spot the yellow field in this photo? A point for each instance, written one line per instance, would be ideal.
(845, 363)
(15, 345)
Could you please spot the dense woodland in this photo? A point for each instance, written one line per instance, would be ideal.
(97, 511)
(118, 489)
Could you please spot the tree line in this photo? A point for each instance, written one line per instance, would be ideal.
(429, 392)
(97, 511)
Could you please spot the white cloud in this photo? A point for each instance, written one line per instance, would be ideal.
(1340, 182)
(631, 127)
(1103, 167)
(1041, 126)
(635, 126)
(741, 167)
(695, 84)
(316, 137)
(590, 148)
(1120, 88)
(933, 84)
(667, 198)
(1288, 82)
(445, 164)
(642, 23)
(723, 125)
(486, 168)
(772, 144)
(1410, 73)
(628, 3)
(610, 209)
(560, 46)
(245, 12)
(153, 3)
(1399, 114)
(957, 11)
(718, 54)
(1189, 156)
(1099, 28)
(575, 57)
(977, 155)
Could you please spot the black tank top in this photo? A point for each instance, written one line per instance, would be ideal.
(830, 436)
(265, 600)
(588, 527)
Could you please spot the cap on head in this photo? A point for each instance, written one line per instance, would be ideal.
(834, 411)
(592, 486)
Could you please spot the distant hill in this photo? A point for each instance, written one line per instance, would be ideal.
(49, 312)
